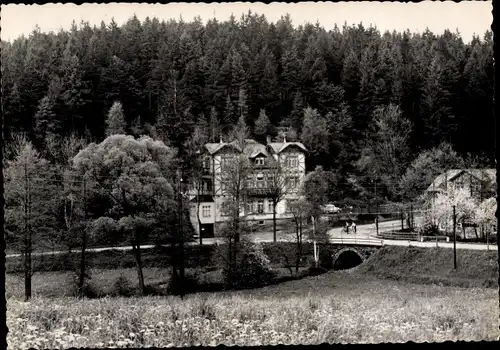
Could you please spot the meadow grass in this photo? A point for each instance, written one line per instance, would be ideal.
(337, 307)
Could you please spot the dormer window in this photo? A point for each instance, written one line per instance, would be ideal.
(259, 161)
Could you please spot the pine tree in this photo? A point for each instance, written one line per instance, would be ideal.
(314, 132)
(44, 118)
(290, 74)
(242, 103)
(262, 125)
(294, 120)
(229, 115)
(351, 76)
(214, 126)
(115, 124)
(240, 132)
(137, 127)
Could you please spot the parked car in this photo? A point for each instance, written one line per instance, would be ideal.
(331, 208)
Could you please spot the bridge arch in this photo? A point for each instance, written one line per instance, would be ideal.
(347, 258)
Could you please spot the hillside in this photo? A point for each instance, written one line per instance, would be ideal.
(420, 265)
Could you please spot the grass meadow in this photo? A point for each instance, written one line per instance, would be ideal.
(336, 307)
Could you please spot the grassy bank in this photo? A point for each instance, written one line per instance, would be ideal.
(197, 256)
(475, 268)
(336, 307)
(57, 284)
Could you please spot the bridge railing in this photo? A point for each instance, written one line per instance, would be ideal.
(360, 241)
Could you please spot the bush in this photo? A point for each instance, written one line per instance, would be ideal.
(428, 229)
(88, 290)
(252, 269)
(122, 287)
(191, 283)
(315, 271)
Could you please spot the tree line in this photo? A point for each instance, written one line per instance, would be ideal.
(366, 104)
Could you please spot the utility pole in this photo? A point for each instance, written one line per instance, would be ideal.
(454, 238)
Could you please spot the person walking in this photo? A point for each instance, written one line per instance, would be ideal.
(353, 226)
(347, 227)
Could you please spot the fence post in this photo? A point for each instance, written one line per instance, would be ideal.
(411, 217)
(402, 220)
(487, 241)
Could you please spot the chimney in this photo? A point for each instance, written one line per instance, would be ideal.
(284, 138)
(268, 139)
(221, 139)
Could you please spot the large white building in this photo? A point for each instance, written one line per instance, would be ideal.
(210, 196)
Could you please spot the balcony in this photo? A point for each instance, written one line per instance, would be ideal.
(259, 191)
(206, 192)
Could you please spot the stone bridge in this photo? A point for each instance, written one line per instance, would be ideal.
(346, 256)
(331, 255)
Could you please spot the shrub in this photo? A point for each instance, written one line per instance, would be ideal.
(122, 287)
(252, 268)
(428, 229)
(190, 283)
(88, 290)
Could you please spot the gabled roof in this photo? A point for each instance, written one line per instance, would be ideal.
(279, 147)
(488, 175)
(253, 149)
(213, 147)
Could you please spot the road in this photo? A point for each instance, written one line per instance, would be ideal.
(365, 235)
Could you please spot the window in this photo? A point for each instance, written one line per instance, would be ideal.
(248, 208)
(261, 222)
(476, 188)
(226, 160)
(206, 211)
(259, 161)
(270, 206)
(224, 209)
(206, 186)
(292, 161)
(260, 207)
(206, 163)
(270, 179)
(260, 180)
(289, 205)
(250, 183)
(293, 182)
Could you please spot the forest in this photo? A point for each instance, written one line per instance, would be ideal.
(383, 113)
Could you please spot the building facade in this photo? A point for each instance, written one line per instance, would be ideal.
(480, 182)
(254, 183)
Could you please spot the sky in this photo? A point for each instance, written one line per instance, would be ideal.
(469, 17)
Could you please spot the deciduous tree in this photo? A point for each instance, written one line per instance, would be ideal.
(30, 203)
(136, 175)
